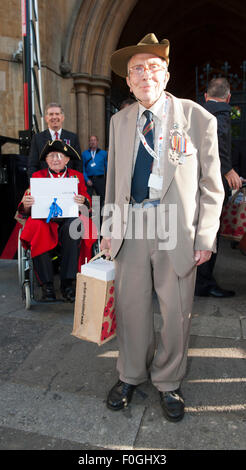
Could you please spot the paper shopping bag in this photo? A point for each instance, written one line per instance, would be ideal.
(94, 312)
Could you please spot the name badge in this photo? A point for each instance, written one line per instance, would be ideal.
(155, 181)
(93, 164)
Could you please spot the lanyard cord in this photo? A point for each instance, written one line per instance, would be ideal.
(160, 138)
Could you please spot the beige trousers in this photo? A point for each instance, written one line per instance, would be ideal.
(140, 268)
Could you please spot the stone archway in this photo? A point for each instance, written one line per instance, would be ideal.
(95, 35)
(200, 32)
(203, 31)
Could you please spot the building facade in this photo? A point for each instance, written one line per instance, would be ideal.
(77, 38)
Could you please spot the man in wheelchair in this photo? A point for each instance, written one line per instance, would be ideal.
(42, 237)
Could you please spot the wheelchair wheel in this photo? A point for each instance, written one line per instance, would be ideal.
(21, 261)
(27, 295)
(96, 248)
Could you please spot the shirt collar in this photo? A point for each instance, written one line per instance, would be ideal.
(156, 109)
(60, 172)
(53, 133)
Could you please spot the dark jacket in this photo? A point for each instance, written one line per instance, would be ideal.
(38, 142)
(222, 111)
(239, 157)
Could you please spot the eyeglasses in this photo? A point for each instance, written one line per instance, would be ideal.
(52, 156)
(138, 70)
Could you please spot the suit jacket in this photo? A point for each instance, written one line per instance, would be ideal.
(239, 157)
(195, 186)
(38, 142)
(222, 112)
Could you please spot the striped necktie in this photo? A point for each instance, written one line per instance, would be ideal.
(56, 135)
(144, 161)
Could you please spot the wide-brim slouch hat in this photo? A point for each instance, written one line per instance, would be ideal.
(148, 45)
(61, 147)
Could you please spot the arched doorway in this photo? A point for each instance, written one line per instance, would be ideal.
(94, 37)
(200, 32)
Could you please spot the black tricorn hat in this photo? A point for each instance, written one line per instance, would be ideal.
(59, 146)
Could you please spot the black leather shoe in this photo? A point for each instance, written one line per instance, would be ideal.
(48, 292)
(220, 293)
(120, 395)
(69, 293)
(214, 291)
(172, 404)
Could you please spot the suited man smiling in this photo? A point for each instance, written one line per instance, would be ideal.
(163, 153)
(54, 118)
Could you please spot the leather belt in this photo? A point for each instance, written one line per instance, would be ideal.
(145, 204)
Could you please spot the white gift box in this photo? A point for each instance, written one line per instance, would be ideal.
(102, 269)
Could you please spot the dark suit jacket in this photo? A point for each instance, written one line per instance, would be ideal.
(222, 111)
(38, 142)
(239, 157)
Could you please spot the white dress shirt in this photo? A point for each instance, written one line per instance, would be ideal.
(161, 124)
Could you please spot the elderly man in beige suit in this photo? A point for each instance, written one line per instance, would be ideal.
(163, 174)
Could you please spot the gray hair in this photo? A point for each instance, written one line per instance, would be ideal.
(53, 105)
(218, 88)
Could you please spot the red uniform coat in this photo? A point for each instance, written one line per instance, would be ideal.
(41, 237)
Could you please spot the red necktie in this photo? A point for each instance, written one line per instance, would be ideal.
(57, 135)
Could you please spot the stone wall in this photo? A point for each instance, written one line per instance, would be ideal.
(11, 78)
(77, 38)
(53, 26)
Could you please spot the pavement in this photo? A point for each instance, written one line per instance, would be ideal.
(53, 386)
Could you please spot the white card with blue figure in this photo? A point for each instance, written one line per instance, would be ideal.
(54, 198)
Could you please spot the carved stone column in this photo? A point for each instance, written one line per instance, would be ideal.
(98, 90)
(90, 95)
(81, 85)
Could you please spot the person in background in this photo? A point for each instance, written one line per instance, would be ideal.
(127, 102)
(239, 158)
(95, 169)
(42, 237)
(54, 118)
(217, 101)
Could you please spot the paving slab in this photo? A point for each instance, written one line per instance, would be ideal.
(53, 385)
(19, 440)
(62, 362)
(243, 323)
(67, 416)
(197, 431)
(17, 340)
(217, 327)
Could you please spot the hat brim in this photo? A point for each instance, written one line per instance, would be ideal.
(120, 58)
(61, 147)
